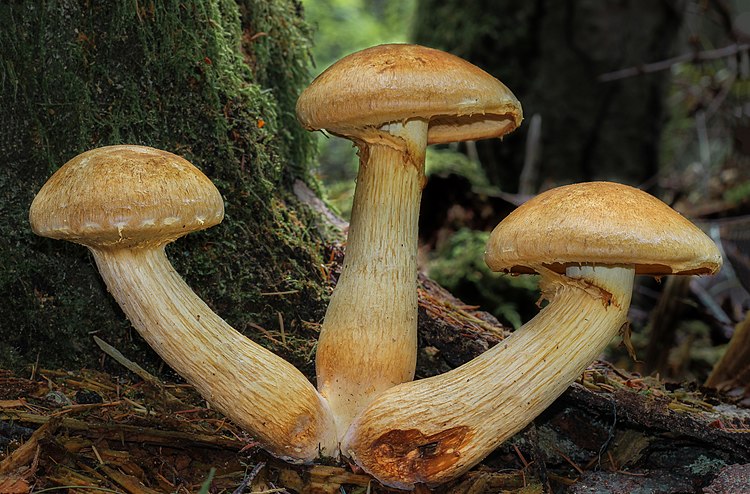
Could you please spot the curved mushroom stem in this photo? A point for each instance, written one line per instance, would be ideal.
(258, 390)
(368, 342)
(432, 430)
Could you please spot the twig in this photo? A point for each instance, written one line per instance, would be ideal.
(287, 292)
(281, 328)
(249, 478)
(569, 461)
(96, 453)
(71, 409)
(698, 56)
(127, 482)
(25, 453)
(265, 332)
(521, 457)
(170, 399)
(128, 433)
(75, 487)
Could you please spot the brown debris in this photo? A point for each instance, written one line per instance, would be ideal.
(28, 452)
(734, 478)
(133, 442)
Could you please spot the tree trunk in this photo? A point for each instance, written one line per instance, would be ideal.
(550, 54)
(212, 80)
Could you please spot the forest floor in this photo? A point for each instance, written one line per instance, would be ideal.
(83, 431)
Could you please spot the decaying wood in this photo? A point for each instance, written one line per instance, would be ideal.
(24, 454)
(450, 332)
(125, 432)
(608, 426)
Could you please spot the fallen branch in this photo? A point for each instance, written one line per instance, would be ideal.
(171, 400)
(695, 57)
(129, 433)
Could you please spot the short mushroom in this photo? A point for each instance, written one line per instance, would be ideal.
(587, 241)
(391, 100)
(125, 203)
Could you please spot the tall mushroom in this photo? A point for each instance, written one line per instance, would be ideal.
(587, 241)
(125, 203)
(391, 100)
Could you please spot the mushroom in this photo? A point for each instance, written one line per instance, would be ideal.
(587, 241)
(391, 101)
(125, 203)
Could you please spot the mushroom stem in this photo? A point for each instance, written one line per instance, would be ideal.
(432, 430)
(258, 390)
(368, 342)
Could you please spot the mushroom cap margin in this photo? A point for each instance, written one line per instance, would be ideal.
(122, 196)
(600, 223)
(398, 82)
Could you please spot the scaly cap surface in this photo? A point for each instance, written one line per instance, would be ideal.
(397, 82)
(600, 223)
(124, 196)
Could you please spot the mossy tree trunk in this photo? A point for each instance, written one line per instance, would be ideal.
(551, 53)
(212, 80)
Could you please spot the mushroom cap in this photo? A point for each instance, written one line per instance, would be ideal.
(398, 82)
(123, 196)
(600, 223)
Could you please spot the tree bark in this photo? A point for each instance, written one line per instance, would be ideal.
(212, 80)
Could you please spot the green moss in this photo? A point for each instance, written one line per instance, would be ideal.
(706, 466)
(443, 161)
(738, 193)
(193, 77)
(276, 45)
(459, 266)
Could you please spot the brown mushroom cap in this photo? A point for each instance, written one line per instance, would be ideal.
(124, 196)
(600, 223)
(397, 82)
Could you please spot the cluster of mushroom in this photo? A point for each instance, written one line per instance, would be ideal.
(125, 203)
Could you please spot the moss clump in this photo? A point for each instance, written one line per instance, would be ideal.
(459, 266)
(446, 161)
(212, 80)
